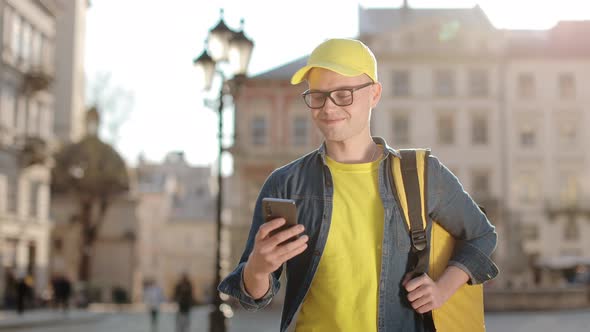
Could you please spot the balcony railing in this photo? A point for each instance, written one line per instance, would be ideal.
(579, 206)
(37, 79)
(34, 151)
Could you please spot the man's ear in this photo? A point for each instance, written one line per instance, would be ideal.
(376, 89)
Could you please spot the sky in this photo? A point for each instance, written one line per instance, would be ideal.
(148, 46)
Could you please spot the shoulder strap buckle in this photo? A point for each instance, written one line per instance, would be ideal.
(418, 239)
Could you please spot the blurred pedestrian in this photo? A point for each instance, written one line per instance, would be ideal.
(183, 296)
(23, 293)
(10, 289)
(153, 297)
(62, 290)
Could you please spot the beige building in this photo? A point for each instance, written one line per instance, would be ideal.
(547, 127)
(273, 127)
(177, 230)
(504, 110)
(69, 89)
(27, 68)
(442, 75)
(115, 262)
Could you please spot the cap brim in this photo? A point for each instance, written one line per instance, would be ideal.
(301, 74)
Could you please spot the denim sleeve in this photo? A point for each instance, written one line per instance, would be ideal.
(454, 209)
(233, 283)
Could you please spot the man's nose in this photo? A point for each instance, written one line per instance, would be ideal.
(329, 105)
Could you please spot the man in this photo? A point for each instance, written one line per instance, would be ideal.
(24, 292)
(153, 296)
(62, 289)
(347, 269)
(183, 295)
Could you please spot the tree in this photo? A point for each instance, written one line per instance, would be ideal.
(94, 174)
(113, 102)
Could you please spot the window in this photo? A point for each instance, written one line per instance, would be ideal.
(479, 129)
(300, 131)
(44, 201)
(530, 231)
(45, 121)
(446, 125)
(58, 245)
(527, 187)
(567, 133)
(444, 83)
(36, 41)
(401, 83)
(7, 114)
(570, 189)
(26, 43)
(16, 35)
(21, 116)
(401, 129)
(526, 86)
(3, 194)
(33, 118)
(252, 191)
(259, 130)
(10, 251)
(527, 136)
(567, 86)
(47, 54)
(571, 230)
(6, 38)
(34, 198)
(12, 191)
(480, 183)
(478, 83)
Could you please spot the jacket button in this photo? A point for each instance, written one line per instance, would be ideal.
(316, 252)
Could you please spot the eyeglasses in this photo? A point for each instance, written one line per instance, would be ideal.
(340, 97)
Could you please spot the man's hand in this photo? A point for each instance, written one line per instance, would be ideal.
(269, 254)
(426, 295)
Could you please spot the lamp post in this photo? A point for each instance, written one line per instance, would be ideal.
(223, 46)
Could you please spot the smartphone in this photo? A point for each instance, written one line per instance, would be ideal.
(273, 208)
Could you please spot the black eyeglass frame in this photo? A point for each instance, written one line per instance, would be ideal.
(328, 94)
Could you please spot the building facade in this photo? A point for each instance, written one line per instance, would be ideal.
(115, 262)
(69, 89)
(27, 68)
(504, 110)
(34, 80)
(177, 229)
(547, 123)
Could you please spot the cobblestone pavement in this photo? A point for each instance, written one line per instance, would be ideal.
(266, 321)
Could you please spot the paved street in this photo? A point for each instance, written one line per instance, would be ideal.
(568, 321)
(243, 321)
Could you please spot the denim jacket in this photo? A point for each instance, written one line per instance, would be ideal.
(308, 181)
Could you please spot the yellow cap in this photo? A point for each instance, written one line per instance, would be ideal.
(348, 57)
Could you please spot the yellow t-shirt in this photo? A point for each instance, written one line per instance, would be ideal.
(344, 291)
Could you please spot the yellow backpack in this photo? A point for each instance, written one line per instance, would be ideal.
(464, 311)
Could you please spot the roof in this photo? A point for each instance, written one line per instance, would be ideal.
(377, 20)
(285, 71)
(567, 38)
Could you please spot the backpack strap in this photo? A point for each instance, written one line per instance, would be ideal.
(410, 177)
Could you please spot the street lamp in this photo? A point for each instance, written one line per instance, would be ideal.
(222, 45)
